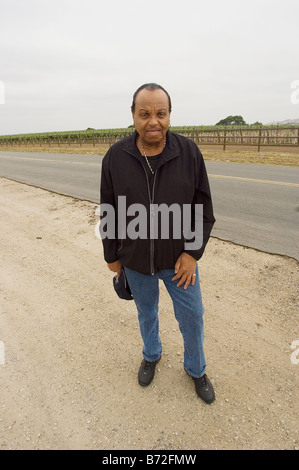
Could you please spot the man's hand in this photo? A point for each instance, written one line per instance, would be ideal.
(184, 270)
(116, 267)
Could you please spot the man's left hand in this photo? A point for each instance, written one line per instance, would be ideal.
(185, 270)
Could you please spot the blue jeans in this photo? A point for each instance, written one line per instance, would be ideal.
(188, 310)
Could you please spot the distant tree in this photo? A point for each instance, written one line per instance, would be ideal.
(257, 123)
(131, 126)
(232, 121)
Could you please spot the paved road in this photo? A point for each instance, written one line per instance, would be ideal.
(255, 205)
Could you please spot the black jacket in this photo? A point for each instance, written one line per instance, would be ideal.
(180, 178)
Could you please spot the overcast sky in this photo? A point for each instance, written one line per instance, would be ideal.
(74, 64)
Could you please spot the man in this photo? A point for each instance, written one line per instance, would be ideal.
(151, 168)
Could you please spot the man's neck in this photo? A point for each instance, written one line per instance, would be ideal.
(150, 149)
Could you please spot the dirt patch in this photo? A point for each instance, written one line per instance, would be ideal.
(84, 148)
(288, 157)
(72, 348)
(237, 154)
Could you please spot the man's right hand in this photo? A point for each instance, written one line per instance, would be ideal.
(116, 267)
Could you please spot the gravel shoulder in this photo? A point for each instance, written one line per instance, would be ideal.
(72, 349)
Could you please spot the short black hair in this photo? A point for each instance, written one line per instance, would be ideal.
(149, 86)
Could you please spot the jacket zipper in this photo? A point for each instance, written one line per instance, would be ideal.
(152, 239)
(151, 200)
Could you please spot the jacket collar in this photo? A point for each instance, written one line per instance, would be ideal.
(170, 151)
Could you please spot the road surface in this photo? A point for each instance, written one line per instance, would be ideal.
(255, 205)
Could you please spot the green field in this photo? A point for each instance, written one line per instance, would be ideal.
(90, 134)
(246, 144)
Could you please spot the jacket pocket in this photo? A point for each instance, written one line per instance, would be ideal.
(121, 241)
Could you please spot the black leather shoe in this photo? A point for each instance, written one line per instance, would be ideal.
(146, 372)
(204, 388)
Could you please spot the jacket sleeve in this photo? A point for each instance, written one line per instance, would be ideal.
(202, 196)
(107, 197)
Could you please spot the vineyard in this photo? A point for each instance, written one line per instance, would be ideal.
(203, 135)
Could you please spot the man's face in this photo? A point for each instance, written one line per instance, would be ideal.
(151, 116)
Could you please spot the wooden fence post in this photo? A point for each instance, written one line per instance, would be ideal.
(259, 142)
